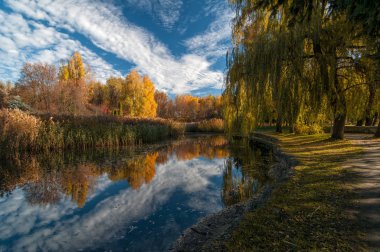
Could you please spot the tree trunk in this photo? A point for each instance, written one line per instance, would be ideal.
(360, 122)
(378, 131)
(291, 126)
(338, 127)
(368, 121)
(279, 124)
(371, 100)
(375, 119)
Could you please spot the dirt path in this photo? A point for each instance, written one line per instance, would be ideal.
(367, 187)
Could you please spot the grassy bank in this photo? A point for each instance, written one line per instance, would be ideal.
(308, 212)
(23, 132)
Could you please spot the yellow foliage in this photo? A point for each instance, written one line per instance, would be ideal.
(149, 103)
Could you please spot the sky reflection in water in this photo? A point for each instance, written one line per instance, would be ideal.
(135, 199)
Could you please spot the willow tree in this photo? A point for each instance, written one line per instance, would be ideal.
(239, 115)
(265, 54)
(365, 16)
(302, 49)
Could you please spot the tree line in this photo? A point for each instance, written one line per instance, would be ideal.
(303, 63)
(71, 90)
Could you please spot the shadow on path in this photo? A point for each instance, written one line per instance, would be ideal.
(367, 187)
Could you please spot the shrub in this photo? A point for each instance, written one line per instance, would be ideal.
(176, 129)
(18, 130)
(304, 129)
(315, 129)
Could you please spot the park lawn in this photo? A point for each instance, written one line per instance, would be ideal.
(310, 210)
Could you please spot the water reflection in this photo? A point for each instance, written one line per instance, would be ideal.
(140, 199)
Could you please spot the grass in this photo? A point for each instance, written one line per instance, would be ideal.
(214, 125)
(20, 131)
(308, 212)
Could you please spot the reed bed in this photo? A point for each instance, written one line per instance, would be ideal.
(20, 131)
(213, 125)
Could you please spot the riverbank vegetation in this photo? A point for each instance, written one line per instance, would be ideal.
(304, 64)
(214, 125)
(20, 131)
(310, 211)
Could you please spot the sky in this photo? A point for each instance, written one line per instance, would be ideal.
(180, 44)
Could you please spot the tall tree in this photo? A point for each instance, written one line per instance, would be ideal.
(295, 48)
(36, 85)
(133, 94)
(114, 95)
(161, 99)
(72, 85)
(96, 93)
(149, 104)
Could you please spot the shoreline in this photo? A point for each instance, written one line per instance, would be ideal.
(210, 231)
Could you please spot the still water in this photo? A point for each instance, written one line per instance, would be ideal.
(138, 199)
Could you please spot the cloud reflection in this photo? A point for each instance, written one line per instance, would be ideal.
(139, 200)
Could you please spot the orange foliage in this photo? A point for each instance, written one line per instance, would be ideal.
(188, 108)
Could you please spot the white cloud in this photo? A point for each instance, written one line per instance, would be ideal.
(215, 41)
(22, 41)
(104, 25)
(167, 12)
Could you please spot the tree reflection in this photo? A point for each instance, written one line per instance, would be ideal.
(244, 173)
(77, 181)
(46, 190)
(46, 179)
(136, 171)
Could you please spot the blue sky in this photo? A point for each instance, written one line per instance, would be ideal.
(180, 44)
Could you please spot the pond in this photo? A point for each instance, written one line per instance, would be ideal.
(134, 199)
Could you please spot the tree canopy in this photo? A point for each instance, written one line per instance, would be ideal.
(302, 63)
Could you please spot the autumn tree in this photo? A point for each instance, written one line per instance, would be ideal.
(161, 99)
(36, 85)
(114, 94)
(149, 103)
(209, 107)
(72, 85)
(96, 93)
(133, 94)
(186, 107)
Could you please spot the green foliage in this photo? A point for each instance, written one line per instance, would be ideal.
(239, 110)
(308, 129)
(15, 102)
(300, 59)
